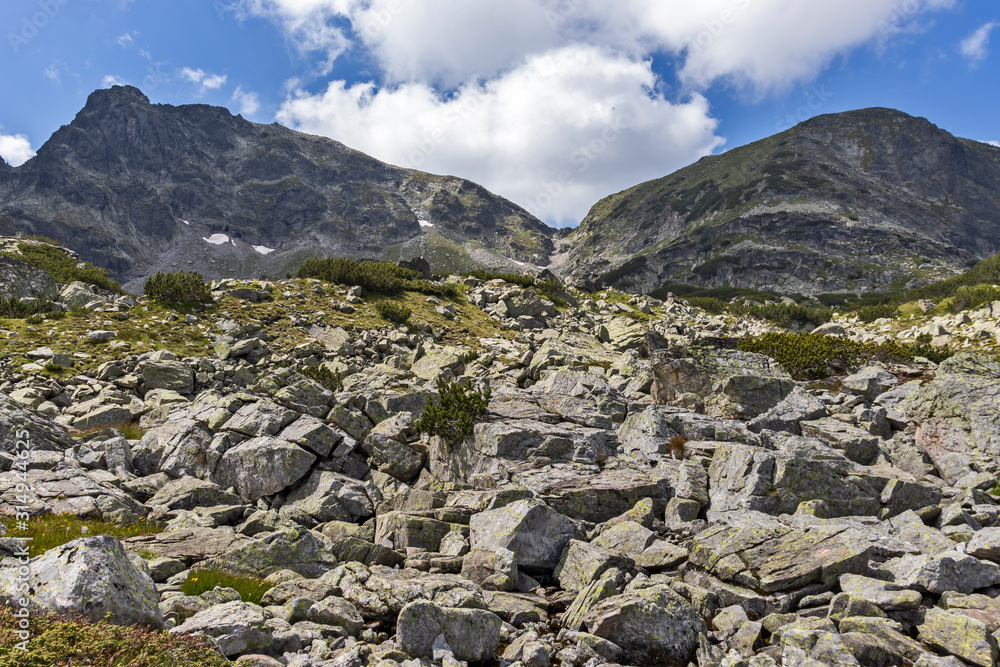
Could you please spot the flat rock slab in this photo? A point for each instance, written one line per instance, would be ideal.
(190, 545)
(774, 559)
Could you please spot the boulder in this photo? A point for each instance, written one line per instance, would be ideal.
(655, 627)
(181, 447)
(536, 533)
(263, 466)
(22, 428)
(733, 384)
(293, 549)
(19, 280)
(472, 634)
(260, 418)
(328, 496)
(93, 576)
(797, 407)
(959, 635)
(238, 628)
(583, 563)
(168, 374)
(187, 493)
(948, 571)
(870, 382)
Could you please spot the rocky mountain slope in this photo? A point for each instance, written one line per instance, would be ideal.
(637, 492)
(137, 187)
(856, 201)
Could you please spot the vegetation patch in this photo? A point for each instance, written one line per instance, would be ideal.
(182, 288)
(324, 376)
(453, 415)
(393, 312)
(50, 531)
(816, 356)
(74, 640)
(12, 308)
(374, 277)
(202, 581)
(512, 278)
(63, 267)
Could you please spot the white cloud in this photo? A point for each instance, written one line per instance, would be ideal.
(554, 135)
(112, 80)
(249, 101)
(309, 25)
(127, 40)
(974, 47)
(204, 80)
(15, 149)
(994, 143)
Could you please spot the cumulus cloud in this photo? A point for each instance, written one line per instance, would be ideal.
(994, 143)
(204, 80)
(15, 149)
(248, 101)
(554, 135)
(511, 93)
(112, 80)
(975, 46)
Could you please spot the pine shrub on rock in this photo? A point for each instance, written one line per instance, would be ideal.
(454, 414)
(393, 312)
(177, 289)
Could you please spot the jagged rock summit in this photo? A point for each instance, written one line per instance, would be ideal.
(854, 201)
(136, 187)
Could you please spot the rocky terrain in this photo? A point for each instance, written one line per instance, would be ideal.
(859, 201)
(137, 187)
(637, 493)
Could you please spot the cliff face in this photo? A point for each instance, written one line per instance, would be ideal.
(846, 202)
(138, 187)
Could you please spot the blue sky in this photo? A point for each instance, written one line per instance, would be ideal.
(551, 103)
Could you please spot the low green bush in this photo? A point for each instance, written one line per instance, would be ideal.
(512, 278)
(393, 312)
(50, 531)
(202, 581)
(64, 268)
(12, 308)
(182, 288)
(374, 277)
(872, 313)
(812, 357)
(324, 376)
(72, 640)
(453, 415)
(708, 303)
(784, 314)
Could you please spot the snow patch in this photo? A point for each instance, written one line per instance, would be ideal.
(263, 249)
(517, 262)
(185, 222)
(217, 239)
(425, 223)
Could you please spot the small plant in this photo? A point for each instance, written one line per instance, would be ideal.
(131, 430)
(677, 447)
(182, 288)
(50, 531)
(393, 312)
(55, 315)
(871, 313)
(74, 640)
(470, 356)
(34, 319)
(453, 415)
(12, 308)
(63, 267)
(54, 369)
(324, 376)
(202, 581)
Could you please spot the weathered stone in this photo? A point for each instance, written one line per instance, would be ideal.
(179, 448)
(870, 382)
(263, 466)
(960, 636)
(472, 634)
(260, 418)
(312, 434)
(583, 563)
(884, 594)
(297, 550)
(236, 627)
(858, 445)
(406, 531)
(190, 545)
(174, 375)
(948, 571)
(797, 407)
(985, 544)
(188, 493)
(535, 533)
(93, 576)
(653, 626)
(328, 496)
(733, 384)
(494, 570)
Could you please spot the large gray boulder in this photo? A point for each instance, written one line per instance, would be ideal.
(733, 384)
(19, 280)
(294, 549)
(654, 626)
(948, 571)
(168, 374)
(93, 576)
(22, 429)
(536, 533)
(236, 627)
(870, 382)
(472, 634)
(956, 415)
(180, 447)
(797, 407)
(263, 466)
(328, 496)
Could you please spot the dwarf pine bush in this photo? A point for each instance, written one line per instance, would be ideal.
(453, 415)
(177, 289)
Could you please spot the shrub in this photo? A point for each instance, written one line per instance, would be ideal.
(323, 375)
(182, 288)
(708, 303)
(73, 640)
(812, 356)
(50, 531)
(512, 278)
(34, 319)
(64, 268)
(13, 308)
(202, 581)
(784, 314)
(394, 312)
(453, 415)
(376, 277)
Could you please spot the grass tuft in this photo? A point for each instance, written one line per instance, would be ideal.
(202, 581)
(51, 531)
